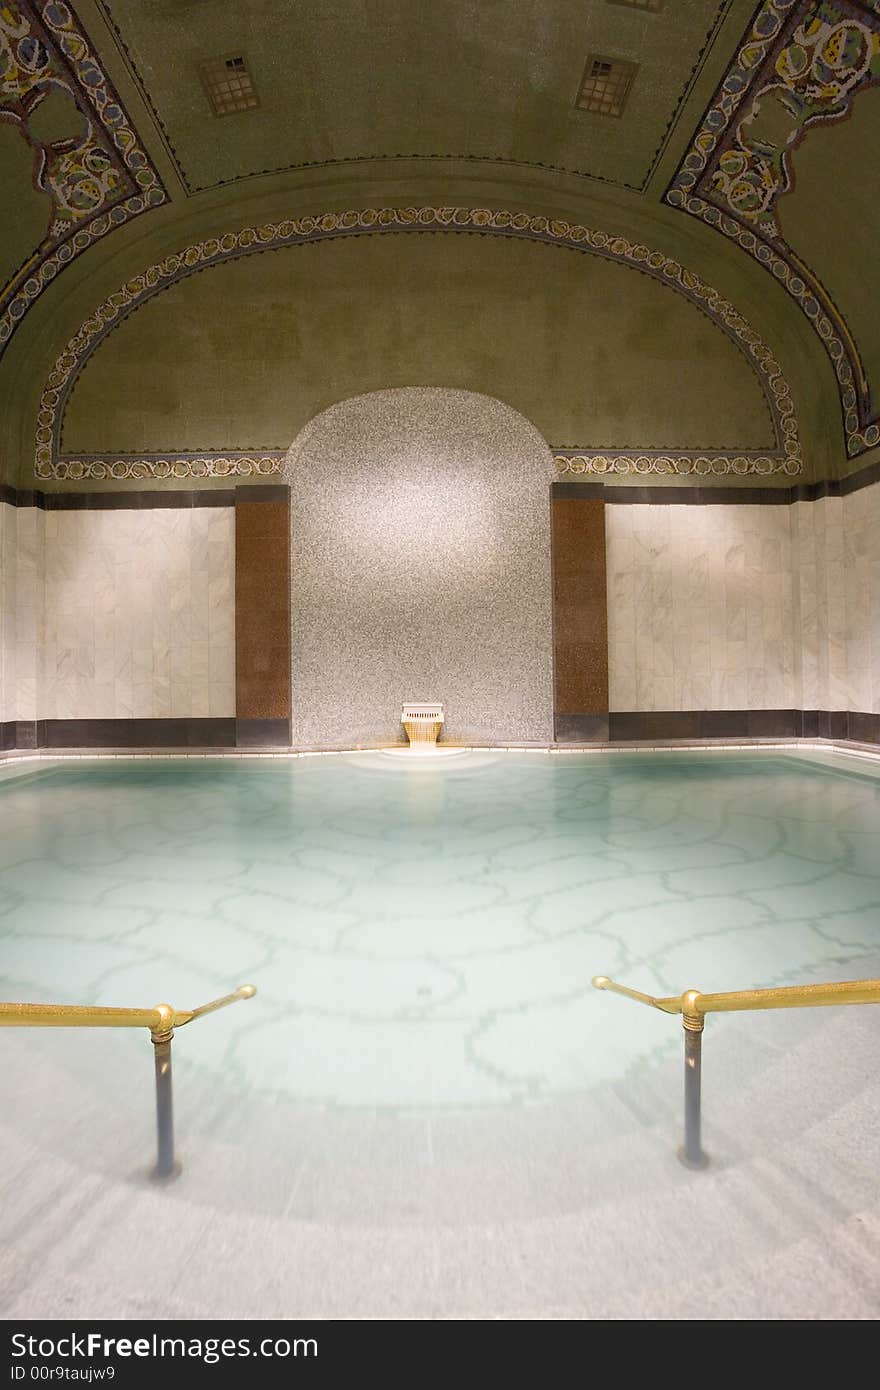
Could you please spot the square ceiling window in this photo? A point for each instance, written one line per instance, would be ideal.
(228, 85)
(605, 85)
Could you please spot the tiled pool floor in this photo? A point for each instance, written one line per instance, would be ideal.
(427, 1111)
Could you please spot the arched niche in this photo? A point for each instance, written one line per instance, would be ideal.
(420, 569)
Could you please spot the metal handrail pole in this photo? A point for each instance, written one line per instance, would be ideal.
(692, 1153)
(161, 1021)
(165, 1165)
(693, 1007)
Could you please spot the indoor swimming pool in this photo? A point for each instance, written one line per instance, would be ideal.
(425, 934)
(425, 1050)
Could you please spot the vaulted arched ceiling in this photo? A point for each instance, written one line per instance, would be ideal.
(745, 148)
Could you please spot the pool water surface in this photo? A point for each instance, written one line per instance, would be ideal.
(423, 935)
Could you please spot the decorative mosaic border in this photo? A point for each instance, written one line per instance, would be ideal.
(798, 47)
(574, 463)
(577, 462)
(165, 467)
(49, 462)
(95, 184)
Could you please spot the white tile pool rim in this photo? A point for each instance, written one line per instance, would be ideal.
(864, 752)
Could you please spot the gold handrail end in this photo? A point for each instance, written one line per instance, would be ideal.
(242, 992)
(694, 1004)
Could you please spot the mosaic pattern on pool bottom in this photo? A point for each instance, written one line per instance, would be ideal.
(425, 935)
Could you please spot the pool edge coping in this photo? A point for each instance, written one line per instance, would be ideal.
(869, 752)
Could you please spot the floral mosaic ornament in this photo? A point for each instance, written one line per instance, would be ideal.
(814, 77)
(577, 462)
(170, 467)
(50, 463)
(94, 180)
(801, 65)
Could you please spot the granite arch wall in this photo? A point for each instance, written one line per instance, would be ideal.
(420, 569)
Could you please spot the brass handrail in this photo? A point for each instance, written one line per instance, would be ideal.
(158, 1020)
(694, 1001)
(693, 1005)
(161, 1021)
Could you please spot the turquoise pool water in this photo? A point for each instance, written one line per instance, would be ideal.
(424, 934)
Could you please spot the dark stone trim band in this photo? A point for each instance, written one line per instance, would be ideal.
(642, 726)
(674, 493)
(681, 496)
(137, 500)
(723, 495)
(853, 725)
(144, 733)
(124, 733)
(581, 728)
(262, 492)
(262, 733)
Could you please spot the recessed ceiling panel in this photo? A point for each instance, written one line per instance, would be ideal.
(342, 80)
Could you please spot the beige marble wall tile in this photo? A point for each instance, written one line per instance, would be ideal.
(29, 615)
(131, 614)
(745, 607)
(856, 601)
(117, 614)
(700, 607)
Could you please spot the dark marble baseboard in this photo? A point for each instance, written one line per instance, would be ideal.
(23, 733)
(138, 733)
(617, 727)
(707, 723)
(581, 728)
(262, 733)
(230, 733)
(860, 728)
(748, 724)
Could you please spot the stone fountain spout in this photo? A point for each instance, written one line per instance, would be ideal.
(422, 723)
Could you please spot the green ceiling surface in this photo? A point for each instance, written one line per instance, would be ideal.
(831, 217)
(489, 79)
(23, 222)
(241, 356)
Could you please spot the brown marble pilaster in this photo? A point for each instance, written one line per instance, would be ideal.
(262, 616)
(580, 620)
